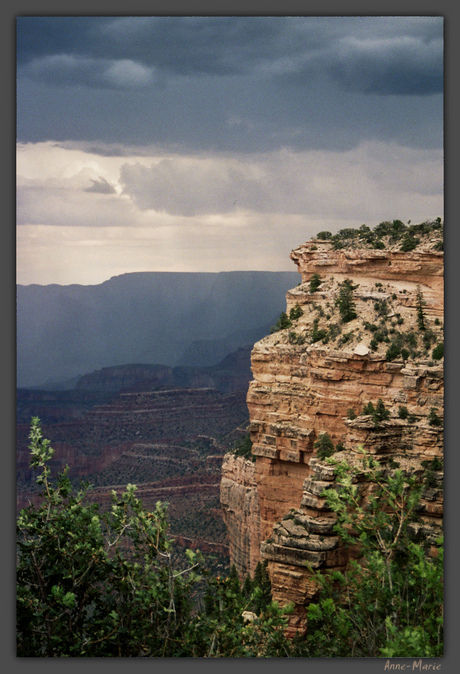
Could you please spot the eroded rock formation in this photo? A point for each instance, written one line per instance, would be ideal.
(315, 376)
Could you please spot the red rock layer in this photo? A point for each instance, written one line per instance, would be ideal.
(302, 388)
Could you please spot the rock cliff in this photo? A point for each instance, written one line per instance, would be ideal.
(315, 375)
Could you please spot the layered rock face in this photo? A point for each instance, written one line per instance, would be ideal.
(240, 501)
(315, 376)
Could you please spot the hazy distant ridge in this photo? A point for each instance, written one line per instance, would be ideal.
(166, 318)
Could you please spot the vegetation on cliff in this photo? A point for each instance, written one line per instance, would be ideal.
(388, 234)
(392, 320)
(389, 601)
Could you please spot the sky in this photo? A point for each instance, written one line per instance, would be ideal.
(218, 143)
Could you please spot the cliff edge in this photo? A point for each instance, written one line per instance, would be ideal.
(363, 328)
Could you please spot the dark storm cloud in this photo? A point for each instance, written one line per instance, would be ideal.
(399, 65)
(375, 49)
(227, 83)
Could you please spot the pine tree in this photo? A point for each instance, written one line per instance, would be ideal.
(345, 301)
(420, 303)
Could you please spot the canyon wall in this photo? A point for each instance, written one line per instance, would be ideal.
(314, 377)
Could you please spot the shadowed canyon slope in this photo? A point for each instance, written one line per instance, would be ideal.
(189, 319)
(316, 375)
(164, 429)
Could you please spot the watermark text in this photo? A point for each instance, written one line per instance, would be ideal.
(414, 666)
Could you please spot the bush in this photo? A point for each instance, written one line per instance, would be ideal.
(315, 282)
(244, 448)
(378, 413)
(390, 603)
(368, 409)
(381, 309)
(316, 334)
(438, 351)
(345, 301)
(433, 418)
(392, 352)
(420, 303)
(324, 446)
(282, 323)
(92, 584)
(409, 243)
(295, 313)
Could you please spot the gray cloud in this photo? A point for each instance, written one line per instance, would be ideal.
(69, 70)
(311, 183)
(398, 65)
(190, 188)
(246, 45)
(229, 83)
(100, 186)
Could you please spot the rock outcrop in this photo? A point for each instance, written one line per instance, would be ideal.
(315, 376)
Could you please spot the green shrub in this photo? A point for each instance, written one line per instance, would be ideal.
(368, 409)
(435, 464)
(105, 584)
(315, 282)
(392, 352)
(381, 308)
(438, 351)
(324, 446)
(433, 418)
(345, 301)
(409, 243)
(390, 604)
(244, 448)
(295, 313)
(282, 323)
(316, 334)
(378, 413)
(420, 303)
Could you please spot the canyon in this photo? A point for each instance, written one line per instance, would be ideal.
(314, 379)
(163, 429)
(172, 429)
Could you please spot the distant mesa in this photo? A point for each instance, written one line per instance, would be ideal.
(158, 318)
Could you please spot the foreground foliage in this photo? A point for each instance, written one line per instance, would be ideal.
(96, 584)
(390, 602)
(103, 585)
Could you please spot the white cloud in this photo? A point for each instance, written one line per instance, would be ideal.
(312, 183)
(83, 217)
(127, 73)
